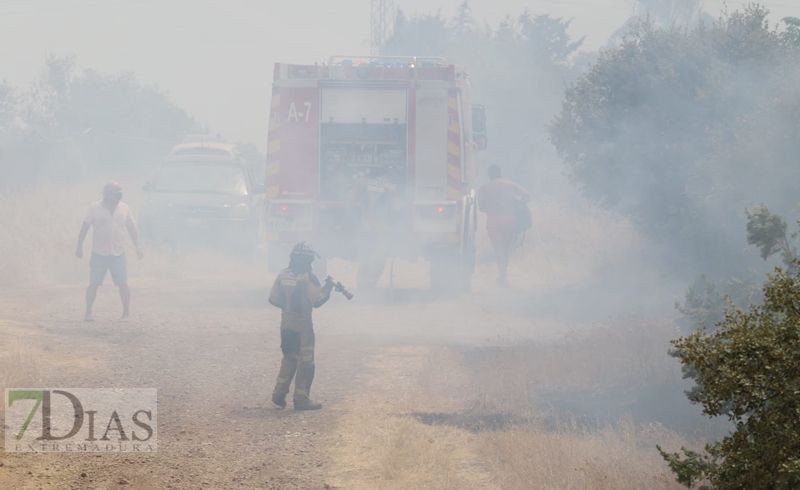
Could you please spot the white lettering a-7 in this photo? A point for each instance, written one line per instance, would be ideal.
(292, 113)
(308, 109)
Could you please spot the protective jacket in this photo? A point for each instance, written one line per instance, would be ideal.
(297, 294)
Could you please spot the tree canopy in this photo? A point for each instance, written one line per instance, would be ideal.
(682, 129)
(748, 370)
(73, 123)
(517, 69)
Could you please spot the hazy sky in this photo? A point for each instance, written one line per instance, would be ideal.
(216, 57)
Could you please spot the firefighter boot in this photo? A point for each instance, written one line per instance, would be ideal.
(288, 368)
(307, 405)
(305, 376)
(279, 400)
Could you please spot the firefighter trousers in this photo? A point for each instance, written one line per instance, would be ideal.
(297, 363)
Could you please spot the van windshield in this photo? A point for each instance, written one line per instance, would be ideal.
(216, 178)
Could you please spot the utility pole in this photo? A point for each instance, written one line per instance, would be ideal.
(381, 23)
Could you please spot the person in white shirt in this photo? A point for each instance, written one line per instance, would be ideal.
(110, 219)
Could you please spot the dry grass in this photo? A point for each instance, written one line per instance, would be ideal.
(39, 250)
(40, 232)
(18, 369)
(629, 353)
(565, 245)
(383, 447)
(613, 459)
(413, 452)
(386, 452)
(378, 446)
(375, 451)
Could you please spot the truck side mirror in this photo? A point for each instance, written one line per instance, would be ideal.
(479, 126)
(259, 189)
(146, 186)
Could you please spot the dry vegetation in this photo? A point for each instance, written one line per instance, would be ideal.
(40, 229)
(379, 443)
(566, 245)
(629, 353)
(39, 248)
(18, 369)
(613, 459)
(470, 418)
(44, 223)
(433, 434)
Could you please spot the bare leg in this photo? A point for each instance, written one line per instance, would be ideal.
(125, 295)
(501, 252)
(502, 265)
(91, 295)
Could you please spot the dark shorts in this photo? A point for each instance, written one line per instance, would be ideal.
(117, 264)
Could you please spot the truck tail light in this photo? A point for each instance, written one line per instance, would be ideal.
(284, 210)
(437, 211)
(289, 216)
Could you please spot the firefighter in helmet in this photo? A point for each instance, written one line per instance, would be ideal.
(297, 291)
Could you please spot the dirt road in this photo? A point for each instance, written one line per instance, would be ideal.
(212, 351)
(402, 401)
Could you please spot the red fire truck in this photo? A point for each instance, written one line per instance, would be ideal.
(408, 121)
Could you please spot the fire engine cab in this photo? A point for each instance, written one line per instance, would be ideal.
(375, 157)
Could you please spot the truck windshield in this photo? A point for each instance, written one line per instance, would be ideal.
(216, 178)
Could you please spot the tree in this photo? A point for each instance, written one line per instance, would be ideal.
(675, 128)
(517, 70)
(748, 370)
(662, 13)
(463, 23)
(791, 34)
(768, 232)
(8, 110)
(668, 12)
(426, 35)
(547, 38)
(76, 122)
(130, 124)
